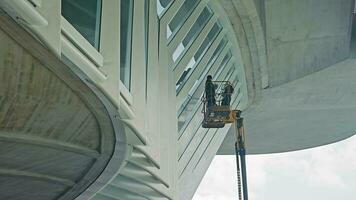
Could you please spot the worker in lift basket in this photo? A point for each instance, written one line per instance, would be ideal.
(228, 90)
(210, 91)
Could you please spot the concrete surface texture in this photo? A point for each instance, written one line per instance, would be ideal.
(53, 142)
(304, 36)
(314, 110)
(309, 98)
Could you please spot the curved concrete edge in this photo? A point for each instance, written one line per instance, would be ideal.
(248, 30)
(235, 49)
(315, 110)
(247, 9)
(120, 153)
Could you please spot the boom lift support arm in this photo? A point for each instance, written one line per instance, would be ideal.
(240, 152)
(216, 116)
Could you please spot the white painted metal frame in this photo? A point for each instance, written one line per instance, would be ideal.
(159, 159)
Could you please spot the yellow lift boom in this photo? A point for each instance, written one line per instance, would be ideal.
(216, 116)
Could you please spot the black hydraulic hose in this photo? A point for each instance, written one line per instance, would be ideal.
(238, 172)
(242, 153)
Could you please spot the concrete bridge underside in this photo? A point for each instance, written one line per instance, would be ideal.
(304, 95)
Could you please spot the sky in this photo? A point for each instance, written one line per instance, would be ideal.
(321, 173)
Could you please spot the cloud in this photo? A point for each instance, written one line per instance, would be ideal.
(219, 181)
(328, 168)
